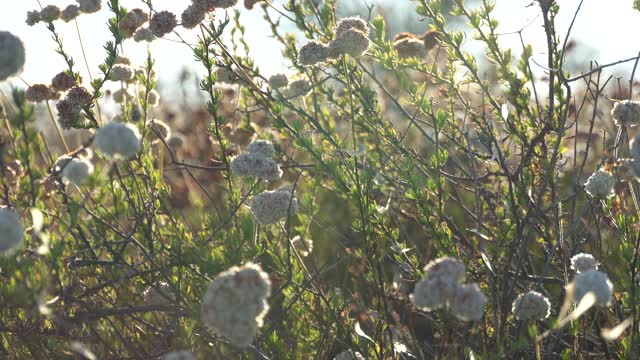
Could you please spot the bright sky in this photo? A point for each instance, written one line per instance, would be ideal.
(607, 28)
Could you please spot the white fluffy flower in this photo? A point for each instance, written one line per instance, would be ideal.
(159, 293)
(431, 294)
(118, 140)
(121, 72)
(122, 95)
(313, 53)
(531, 306)
(76, 170)
(271, 206)
(354, 22)
(249, 164)
(144, 34)
(303, 245)
(234, 304)
(278, 81)
(349, 355)
(299, 87)
(583, 262)
(447, 268)
(11, 231)
(258, 162)
(351, 41)
(179, 355)
(468, 302)
(600, 184)
(262, 148)
(626, 113)
(593, 281)
(12, 55)
(89, 6)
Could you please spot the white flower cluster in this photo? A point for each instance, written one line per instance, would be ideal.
(303, 245)
(299, 87)
(278, 81)
(12, 56)
(89, 6)
(626, 113)
(74, 170)
(159, 293)
(258, 162)
(593, 281)
(583, 262)
(235, 303)
(162, 23)
(179, 355)
(441, 286)
(349, 355)
(531, 306)
(600, 184)
(11, 231)
(271, 206)
(121, 72)
(352, 38)
(313, 53)
(118, 140)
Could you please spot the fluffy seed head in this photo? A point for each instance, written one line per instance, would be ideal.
(192, 16)
(354, 22)
(12, 56)
(121, 72)
(278, 81)
(70, 12)
(39, 92)
(447, 268)
(144, 34)
(248, 164)
(303, 245)
(313, 53)
(33, 17)
(224, 4)
(69, 113)
(468, 302)
(63, 82)
(132, 21)
(234, 304)
(118, 140)
(626, 113)
(11, 231)
(349, 42)
(433, 293)
(583, 262)
(271, 206)
(179, 355)
(50, 13)
(593, 281)
(90, 6)
(79, 96)
(121, 95)
(263, 148)
(299, 87)
(531, 306)
(349, 355)
(600, 184)
(76, 170)
(162, 23)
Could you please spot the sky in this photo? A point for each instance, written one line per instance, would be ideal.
(607, 31)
